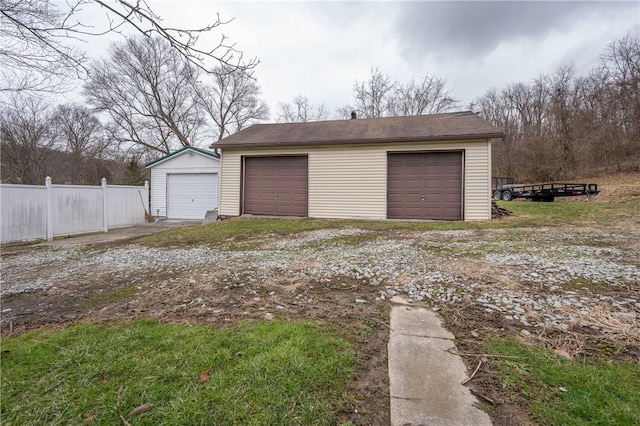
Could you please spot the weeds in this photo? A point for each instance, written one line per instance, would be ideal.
(569, 392)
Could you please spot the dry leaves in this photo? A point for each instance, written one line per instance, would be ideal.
(204, 376)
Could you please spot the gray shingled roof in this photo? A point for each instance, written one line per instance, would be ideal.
(435, 127)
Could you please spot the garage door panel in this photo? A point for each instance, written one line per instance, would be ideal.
(191, 195)
(424, 185)
(450, 199)
(267, 183)
(276, 185)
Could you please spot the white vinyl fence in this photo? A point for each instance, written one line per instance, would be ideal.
(32, 212)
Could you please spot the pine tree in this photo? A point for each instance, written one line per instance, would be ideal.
(135, 173)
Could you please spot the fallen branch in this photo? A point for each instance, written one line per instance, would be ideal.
(468, 379)
(381, 322)
(144, 408)
(295, 402)
(486, 398)
(379, 391)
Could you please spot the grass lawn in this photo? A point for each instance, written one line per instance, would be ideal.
(278, 373)
(570, 392)
(267, 373)
(526, 214)
(564, 213)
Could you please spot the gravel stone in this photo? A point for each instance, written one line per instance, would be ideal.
(436, 267)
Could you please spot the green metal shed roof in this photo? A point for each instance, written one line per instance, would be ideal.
(174, 153)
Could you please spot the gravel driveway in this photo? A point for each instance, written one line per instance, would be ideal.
(531, 278)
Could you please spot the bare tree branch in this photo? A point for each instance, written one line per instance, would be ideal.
(82, 135)
(26, 140)
(230, 99)
(427, 96)
(146, 87)
(301, 110)
(564, 126)
(372, 96)
(35, 54)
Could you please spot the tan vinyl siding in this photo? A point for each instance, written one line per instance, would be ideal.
(349, 181)
(230, 168)
(477, 183)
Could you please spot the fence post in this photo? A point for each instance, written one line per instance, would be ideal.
(47, 184)
(105, 216)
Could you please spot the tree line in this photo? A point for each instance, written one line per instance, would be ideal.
(565, 126)
(154, 92)
(144, 100)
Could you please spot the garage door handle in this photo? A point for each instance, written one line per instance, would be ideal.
(275, 196)
(422, 198)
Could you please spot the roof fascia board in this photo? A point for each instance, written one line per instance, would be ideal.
(180, 152)
(446, 138)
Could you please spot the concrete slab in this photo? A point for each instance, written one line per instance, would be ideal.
(425, 379)
(418, 322)
(120, 233)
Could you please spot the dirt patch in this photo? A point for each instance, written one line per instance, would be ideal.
(473, 327)
(207, 295)
(371, 381)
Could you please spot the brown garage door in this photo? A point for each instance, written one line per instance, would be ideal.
(424, 185)
(275, 185)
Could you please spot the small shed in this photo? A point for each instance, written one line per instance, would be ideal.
(185, 183)
(427, 167)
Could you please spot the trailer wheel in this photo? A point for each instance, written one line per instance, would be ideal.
(497, 195)
(507, 196)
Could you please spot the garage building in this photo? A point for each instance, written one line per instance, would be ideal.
(185, 183)
(428, 167)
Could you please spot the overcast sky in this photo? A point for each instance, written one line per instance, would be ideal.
(319, 49)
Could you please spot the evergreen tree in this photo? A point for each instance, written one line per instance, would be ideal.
(135, 173)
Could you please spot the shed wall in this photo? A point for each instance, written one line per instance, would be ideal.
(350, 181)
(185, 162)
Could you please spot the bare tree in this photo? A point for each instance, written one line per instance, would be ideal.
(494, 107)
(35, 53)
(372, 96)
(562, 105)
(565, 126)
(147, 90)
(621, 62)
(301, 110)
(82, 135)
(427, 96)
(380, 96)
(27, 140)
(231, 100)
(33, 56)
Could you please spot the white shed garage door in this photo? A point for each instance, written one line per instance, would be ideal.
(189, 196)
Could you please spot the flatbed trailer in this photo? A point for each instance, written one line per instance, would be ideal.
(544, 191)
